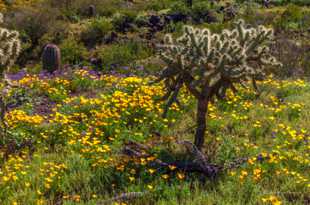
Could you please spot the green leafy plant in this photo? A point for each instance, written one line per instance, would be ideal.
(72, 51)
(123, 54)
(291, 19)
(208, 64)
(123, 21)
(96, 30)
(200, 11)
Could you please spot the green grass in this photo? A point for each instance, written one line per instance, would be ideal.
(75, 160)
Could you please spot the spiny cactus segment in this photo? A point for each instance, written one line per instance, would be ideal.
(203, 58)
(10, 46)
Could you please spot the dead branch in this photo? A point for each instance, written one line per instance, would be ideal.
(198, 165)
(199, 157)
(123, 197)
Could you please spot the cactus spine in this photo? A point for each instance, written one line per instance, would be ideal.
(10, 47)
(208, 64)
(51, 58)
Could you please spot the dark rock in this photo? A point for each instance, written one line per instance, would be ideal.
(176, 17)
(96, 62)
(266, 3)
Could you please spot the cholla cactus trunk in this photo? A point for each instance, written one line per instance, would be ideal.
(51, 58)
(208, 64)
(202, 110)
(9, 47)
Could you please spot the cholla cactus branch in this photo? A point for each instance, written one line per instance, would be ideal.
(208, 64)
(9, 46)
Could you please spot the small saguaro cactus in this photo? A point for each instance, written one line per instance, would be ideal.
(51, 58)
(10, 47)
(91, 11)
(266, 3)
(189, 3)
(208, 64)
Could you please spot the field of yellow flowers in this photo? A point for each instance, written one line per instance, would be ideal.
(65, 133)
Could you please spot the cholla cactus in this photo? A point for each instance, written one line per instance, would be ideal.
(208, 64)
(9, 50)
(9, 46)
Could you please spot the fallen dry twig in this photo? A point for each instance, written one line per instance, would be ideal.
(123, 197)
(198, 165)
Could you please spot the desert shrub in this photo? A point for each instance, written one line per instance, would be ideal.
(78, 8)
(291, 18)
(294, 54)
(116, 55)
(160, 4)
(33, 23)
(141, 19)
(279, 2)
(55, 34)
(103, 7)
(72, 52)
(180, 7)
(200, 11)
(6, 5)
(253, 15)
(218, 27)
(123, 21)
(96, 30)
(284, 2)
(174, 27)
